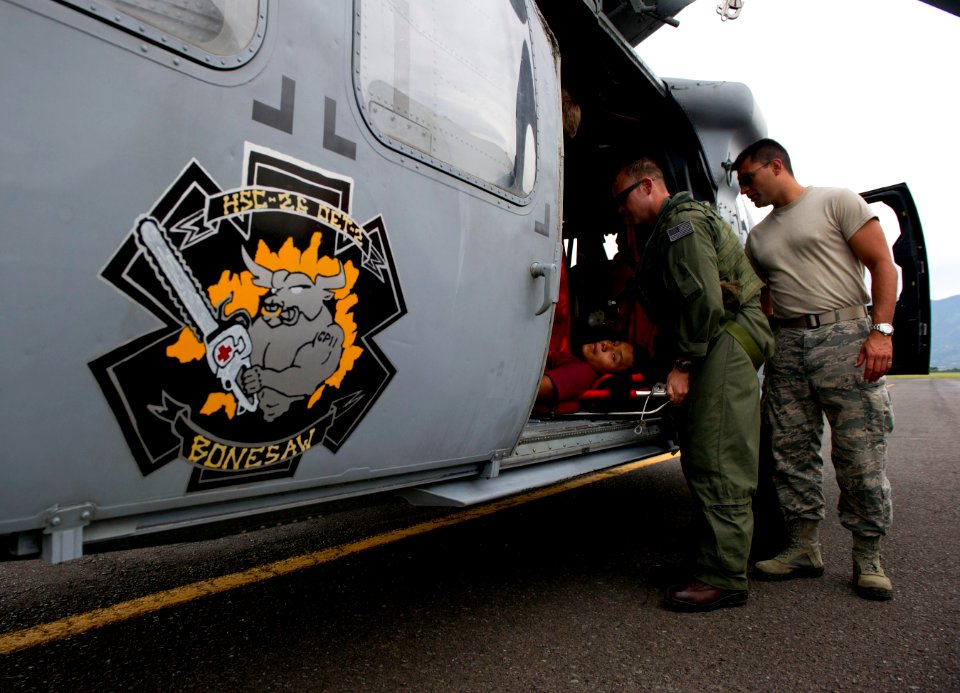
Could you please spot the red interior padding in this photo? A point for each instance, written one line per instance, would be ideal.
(596, 392)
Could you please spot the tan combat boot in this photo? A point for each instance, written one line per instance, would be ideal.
(868, 578)
(800, 559)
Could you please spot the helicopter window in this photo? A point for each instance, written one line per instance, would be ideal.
(452, 81)
(219, 27)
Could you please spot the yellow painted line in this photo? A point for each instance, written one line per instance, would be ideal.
(17, 640)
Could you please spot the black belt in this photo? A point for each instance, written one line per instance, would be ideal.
(828, 318)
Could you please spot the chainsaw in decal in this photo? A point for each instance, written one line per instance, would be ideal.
(227, 346)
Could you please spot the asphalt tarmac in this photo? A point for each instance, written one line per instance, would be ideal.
(561, 593)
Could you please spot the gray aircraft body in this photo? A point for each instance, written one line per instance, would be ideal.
(259, 256)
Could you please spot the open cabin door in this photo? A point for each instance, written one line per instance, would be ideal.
(911, 321)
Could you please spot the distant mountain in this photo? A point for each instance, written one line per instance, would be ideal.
(945, 334)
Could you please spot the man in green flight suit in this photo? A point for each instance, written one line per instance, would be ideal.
(699, 288)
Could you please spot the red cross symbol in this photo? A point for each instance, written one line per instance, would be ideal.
(224, 351)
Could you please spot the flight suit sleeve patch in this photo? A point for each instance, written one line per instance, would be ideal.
(682, 229)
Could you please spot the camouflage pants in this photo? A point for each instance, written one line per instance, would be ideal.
(812, 374)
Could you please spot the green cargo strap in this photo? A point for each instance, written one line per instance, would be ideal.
(745, 340)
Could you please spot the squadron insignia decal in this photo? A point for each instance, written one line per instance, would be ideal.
(270, 296)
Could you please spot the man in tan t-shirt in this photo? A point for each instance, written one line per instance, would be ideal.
(831, 356)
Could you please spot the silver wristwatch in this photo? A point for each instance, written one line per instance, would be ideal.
(884, 328)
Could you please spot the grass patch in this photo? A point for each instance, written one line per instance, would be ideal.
(936, 374)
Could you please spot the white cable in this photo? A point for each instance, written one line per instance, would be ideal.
(640, 426)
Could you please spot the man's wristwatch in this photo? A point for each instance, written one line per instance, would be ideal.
(683, 365)
(884, 328)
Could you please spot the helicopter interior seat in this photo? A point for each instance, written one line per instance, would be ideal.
(590, 300)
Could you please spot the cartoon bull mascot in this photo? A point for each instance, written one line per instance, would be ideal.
(296, 343)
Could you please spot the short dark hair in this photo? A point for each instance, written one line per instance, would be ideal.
(642, 168)
(764, 150)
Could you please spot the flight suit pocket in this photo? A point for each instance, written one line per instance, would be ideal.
(687, 284)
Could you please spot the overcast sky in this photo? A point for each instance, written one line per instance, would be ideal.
(862, 93)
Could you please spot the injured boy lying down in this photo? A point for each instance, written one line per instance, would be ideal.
(567, 377)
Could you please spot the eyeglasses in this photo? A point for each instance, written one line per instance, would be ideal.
(747, 178)
(620, 199)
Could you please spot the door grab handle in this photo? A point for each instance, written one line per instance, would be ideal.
(551, 283)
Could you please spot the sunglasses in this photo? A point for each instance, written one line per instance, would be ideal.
(620, 199)
(747, 178)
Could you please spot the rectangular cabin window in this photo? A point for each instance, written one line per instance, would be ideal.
(453, 81)
(219, 27)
